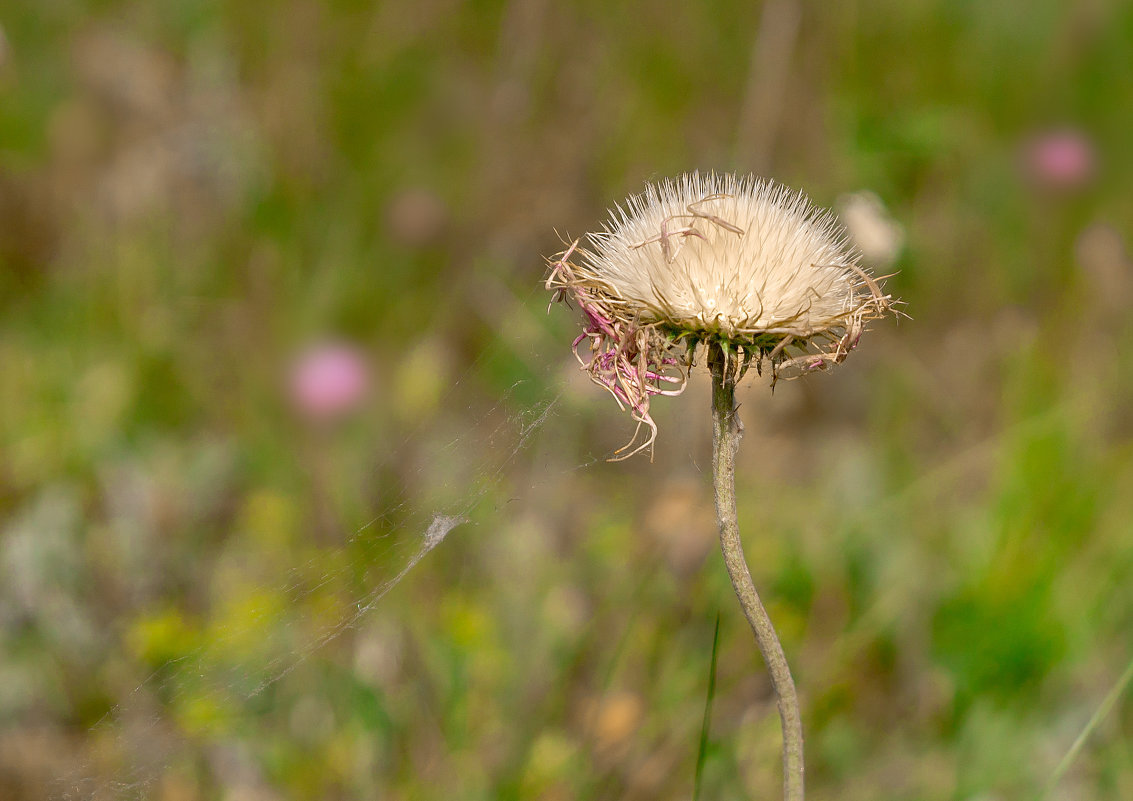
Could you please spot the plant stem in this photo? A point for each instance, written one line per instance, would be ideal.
(726, 431)
(1099, 715)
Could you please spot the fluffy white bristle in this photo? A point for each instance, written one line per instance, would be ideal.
(725, 254)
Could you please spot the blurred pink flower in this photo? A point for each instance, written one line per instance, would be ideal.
(1060, 158)
(328, 381)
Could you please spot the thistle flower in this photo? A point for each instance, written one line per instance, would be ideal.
(1061, 158)
(328, 381)
(741, 262)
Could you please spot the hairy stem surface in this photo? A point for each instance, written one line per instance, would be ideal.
(726, 431)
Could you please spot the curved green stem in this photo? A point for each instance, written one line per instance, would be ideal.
(727, 430)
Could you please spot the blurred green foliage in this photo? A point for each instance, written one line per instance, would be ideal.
(199, 592)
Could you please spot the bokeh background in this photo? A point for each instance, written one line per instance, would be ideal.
(271, 306)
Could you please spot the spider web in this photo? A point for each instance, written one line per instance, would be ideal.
(137, 728)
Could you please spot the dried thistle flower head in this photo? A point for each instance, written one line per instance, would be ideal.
(744, 262)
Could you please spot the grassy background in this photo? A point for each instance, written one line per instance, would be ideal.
(191, 191)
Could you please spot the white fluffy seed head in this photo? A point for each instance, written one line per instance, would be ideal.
(744, 265)
(736, 257)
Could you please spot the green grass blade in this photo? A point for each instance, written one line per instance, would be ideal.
(702, 749)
